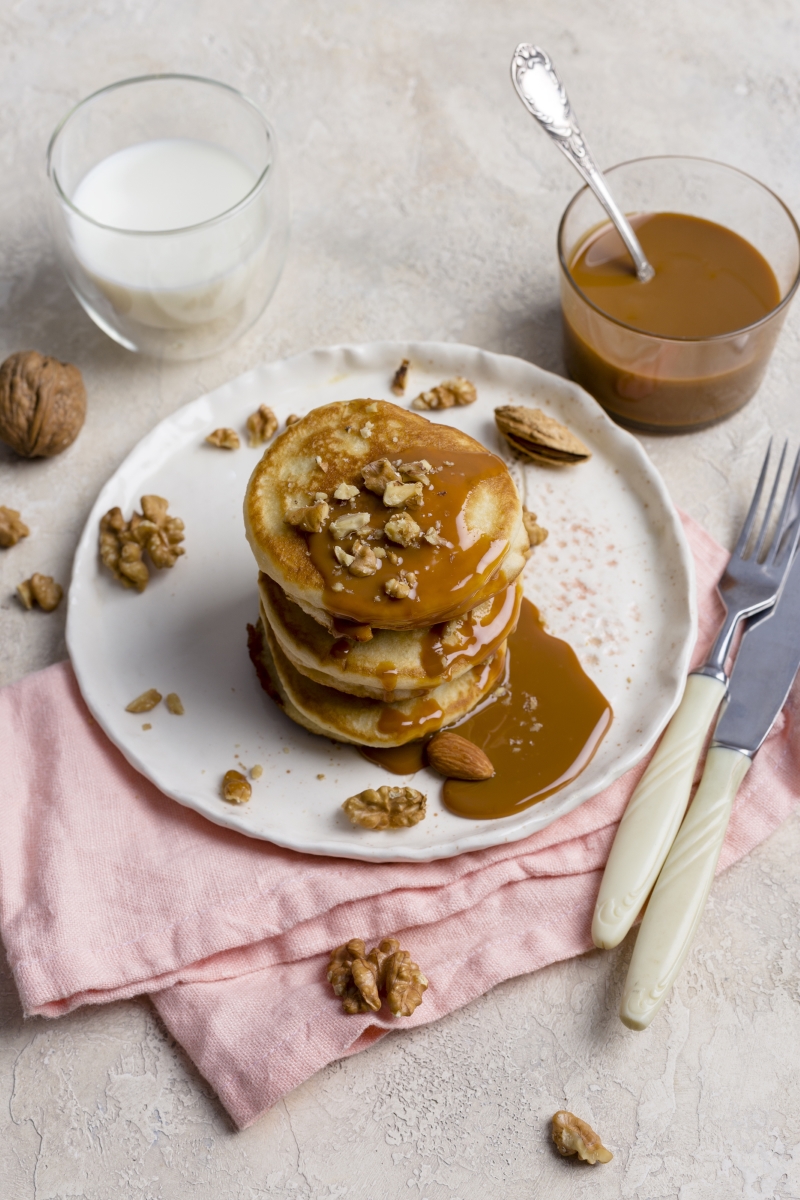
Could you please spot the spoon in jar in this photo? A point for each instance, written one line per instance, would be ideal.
(544, 96)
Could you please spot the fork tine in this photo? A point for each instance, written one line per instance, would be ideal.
(762, 535)
(787, 518)
(738, 549)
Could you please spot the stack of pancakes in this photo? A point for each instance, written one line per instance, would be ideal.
(389, 550)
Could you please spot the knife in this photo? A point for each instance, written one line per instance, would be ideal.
(762, 677)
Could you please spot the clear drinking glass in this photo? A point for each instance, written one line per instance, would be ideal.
(193, 288)
(661, 384)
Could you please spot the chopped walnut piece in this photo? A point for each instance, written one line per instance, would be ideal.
(292, 419)
(346, 491)
(363, 562)
(402, 529)
(261, 425)
(386, 807)
(434, 538)
(310, 517)
(400, 377)
(224, 439)
(378, 474)
(397, 494)
(235, 788)
(379, 551)
(573, 1136)
(417, 472)
(536, 533)
(144, 703)
(457, 391)
(124, 543)
(12, 527)
(361, 979)
(354, 978)
(342, 556)
(42, 590)
(398, 589)
(404, 983)
(355, 522)
(256, 771)
(173, 703)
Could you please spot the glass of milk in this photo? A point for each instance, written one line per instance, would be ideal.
(170, 212)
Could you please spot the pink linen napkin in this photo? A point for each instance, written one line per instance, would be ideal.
(109, 889)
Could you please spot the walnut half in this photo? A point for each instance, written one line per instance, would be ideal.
(361, 979)
(261, 425)
(42, 590)
(386, 807)
(573, 1136)
(12, 527)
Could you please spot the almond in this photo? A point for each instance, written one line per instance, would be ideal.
(457, 758)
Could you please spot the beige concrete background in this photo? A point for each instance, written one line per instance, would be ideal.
(425, 206)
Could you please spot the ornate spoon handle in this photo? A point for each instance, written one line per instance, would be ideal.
(544, 96)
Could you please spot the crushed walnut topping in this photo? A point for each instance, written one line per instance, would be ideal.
(366, 430)
(123, 544)
(310, 517)
(173, 703)
(224, 439)
(144, 703)
(386, 807)
(573, 1136)
(402, 529)
(536, 533)
(400, 378)
(363, 562)
(338, 586)
(417, 472)
(362, 979)
(346, 491)
(12, 527)
(319, 497)
(42, 590)
(379, 551)
(398, 589)
(396, 495)
(377, 475)
(323, 466)
(348, 523)
(235, 788)
(342, 556)
(292, 419)
(261, 425)
(452, 392)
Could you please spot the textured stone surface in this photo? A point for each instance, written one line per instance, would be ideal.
(425, 206)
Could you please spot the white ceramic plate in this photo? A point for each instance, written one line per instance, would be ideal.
(614, 579)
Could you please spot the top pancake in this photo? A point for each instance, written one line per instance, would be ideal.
(470, 540)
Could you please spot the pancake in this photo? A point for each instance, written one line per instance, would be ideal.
(363, 721)
(393, 664)
(469, 544)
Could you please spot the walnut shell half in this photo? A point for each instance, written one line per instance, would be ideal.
(42, 404)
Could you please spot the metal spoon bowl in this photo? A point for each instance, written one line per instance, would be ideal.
(544, 96)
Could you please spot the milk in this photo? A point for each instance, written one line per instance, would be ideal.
(146, 247)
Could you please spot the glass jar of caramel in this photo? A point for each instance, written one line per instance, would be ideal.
(691, 346)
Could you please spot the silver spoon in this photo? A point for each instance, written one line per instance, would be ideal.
(544, 96)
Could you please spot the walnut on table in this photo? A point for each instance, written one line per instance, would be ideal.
(42, 404)
(123, 544)
(449, 394)
(261, 425)
(362, 979)
(42, 590)
(386, 807)
(12, 527)
(573, 1136)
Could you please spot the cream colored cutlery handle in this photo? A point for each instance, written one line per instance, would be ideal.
(654, 813)
(679, 897)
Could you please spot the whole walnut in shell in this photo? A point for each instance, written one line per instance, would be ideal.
(42, 404)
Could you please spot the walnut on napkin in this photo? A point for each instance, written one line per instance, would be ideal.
(361, 979)
(123, 543)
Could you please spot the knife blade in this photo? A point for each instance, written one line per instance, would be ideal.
(762, 677)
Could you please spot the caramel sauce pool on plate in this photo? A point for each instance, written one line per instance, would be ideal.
(540, 729)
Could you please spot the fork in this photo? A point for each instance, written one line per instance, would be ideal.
(751, 583)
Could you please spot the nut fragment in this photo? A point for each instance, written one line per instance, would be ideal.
(311, 517)
(355, 522)
(12, 527)
(378, 474)
(144, 703)
(400, 378)
(434, 538)
(342, 556)
(398, 589)
(402, 529)
(457, 391)
(346, 491)
(261, 425)
(456, 757)
(536, 533)
(361, 979)
(539, 437)
(173, 703)
(42, 404)
(123, 543)
(386, 807)
(418, 472)
(573, 1136)
(364, 562)
(42, 590)
(397, 494)
(224, 438)
(235, 788)
(256, 771)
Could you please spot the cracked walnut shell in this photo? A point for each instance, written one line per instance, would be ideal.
(361, 979)
(12, 527)
(573, 1136)
(386, 807)
(123, 543)
(42, 404)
